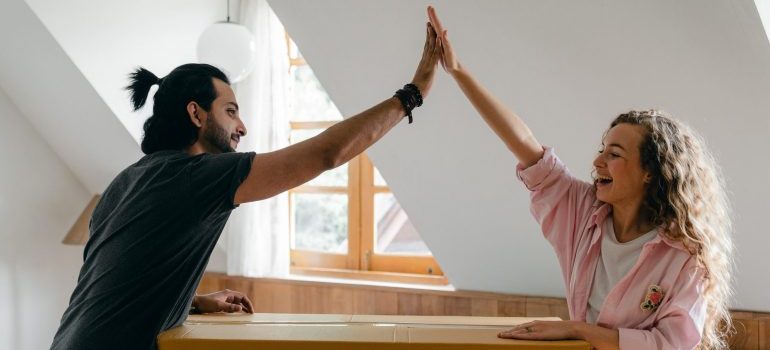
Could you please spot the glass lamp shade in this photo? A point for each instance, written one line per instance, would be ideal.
(230, 47)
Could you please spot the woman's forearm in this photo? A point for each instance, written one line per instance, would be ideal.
(600, 338)
(506, 124)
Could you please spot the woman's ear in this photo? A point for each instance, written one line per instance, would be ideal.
(193, 110)
(647, 177)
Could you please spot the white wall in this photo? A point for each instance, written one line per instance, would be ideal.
(58, 101)
(40, 198)
(109, 39)
(568, 67)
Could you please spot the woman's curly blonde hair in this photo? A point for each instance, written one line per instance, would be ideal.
(687, 196)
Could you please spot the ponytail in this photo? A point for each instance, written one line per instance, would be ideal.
(141, 81)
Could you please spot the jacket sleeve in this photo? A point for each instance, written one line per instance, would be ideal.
(559, 202)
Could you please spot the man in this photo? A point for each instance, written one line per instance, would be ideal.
(153, 230)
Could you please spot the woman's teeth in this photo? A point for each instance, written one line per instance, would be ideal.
(604, 179)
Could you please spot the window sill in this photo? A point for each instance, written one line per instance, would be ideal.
(371, 278)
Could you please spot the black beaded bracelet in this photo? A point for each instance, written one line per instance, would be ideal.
(410, 98)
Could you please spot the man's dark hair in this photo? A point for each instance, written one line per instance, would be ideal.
(169, 127)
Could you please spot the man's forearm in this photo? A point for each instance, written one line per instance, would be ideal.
(351, 137)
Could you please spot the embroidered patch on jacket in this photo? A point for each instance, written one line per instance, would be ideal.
(653, 298)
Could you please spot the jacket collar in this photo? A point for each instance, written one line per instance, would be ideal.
(603, 210)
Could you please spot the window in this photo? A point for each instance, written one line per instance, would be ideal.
(347, 219)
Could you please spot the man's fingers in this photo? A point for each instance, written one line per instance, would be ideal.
(433, 42)
(241, 301)
(436, 40)
(228, 307)
(246, 302)
(427, 40)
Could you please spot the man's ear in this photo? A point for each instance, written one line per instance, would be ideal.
(194, 111)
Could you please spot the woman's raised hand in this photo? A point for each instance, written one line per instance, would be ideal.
(447, 58)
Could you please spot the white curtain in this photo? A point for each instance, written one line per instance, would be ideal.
(257, 236)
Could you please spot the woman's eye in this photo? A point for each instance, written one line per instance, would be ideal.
(614, 155)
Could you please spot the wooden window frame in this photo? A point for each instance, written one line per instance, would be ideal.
(361, 260)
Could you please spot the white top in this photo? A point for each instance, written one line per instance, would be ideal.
(615, 260)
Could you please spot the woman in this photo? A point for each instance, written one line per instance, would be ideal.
(645, 248)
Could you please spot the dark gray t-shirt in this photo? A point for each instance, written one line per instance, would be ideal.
(150, 239)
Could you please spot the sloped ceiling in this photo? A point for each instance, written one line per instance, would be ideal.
(63, 107)
(566, 66)
(108, 39)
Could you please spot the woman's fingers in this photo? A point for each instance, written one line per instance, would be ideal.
(522, 331)
(445, 40)
(434, 20)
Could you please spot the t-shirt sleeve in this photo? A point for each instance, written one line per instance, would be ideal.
(214, 179)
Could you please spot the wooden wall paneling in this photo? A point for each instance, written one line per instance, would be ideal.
(483, 307)
(746, 336)
(457, 306)
(431, 305)
(374, 302)
(210, 284)
(337, 300)
(294, 296)
(271, 297)
(408, 304)
(512, 307)
(764, 333)
(547, 307)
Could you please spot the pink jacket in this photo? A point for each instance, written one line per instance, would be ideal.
(571, 219)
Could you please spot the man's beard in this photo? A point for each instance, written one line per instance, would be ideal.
(217, 136)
